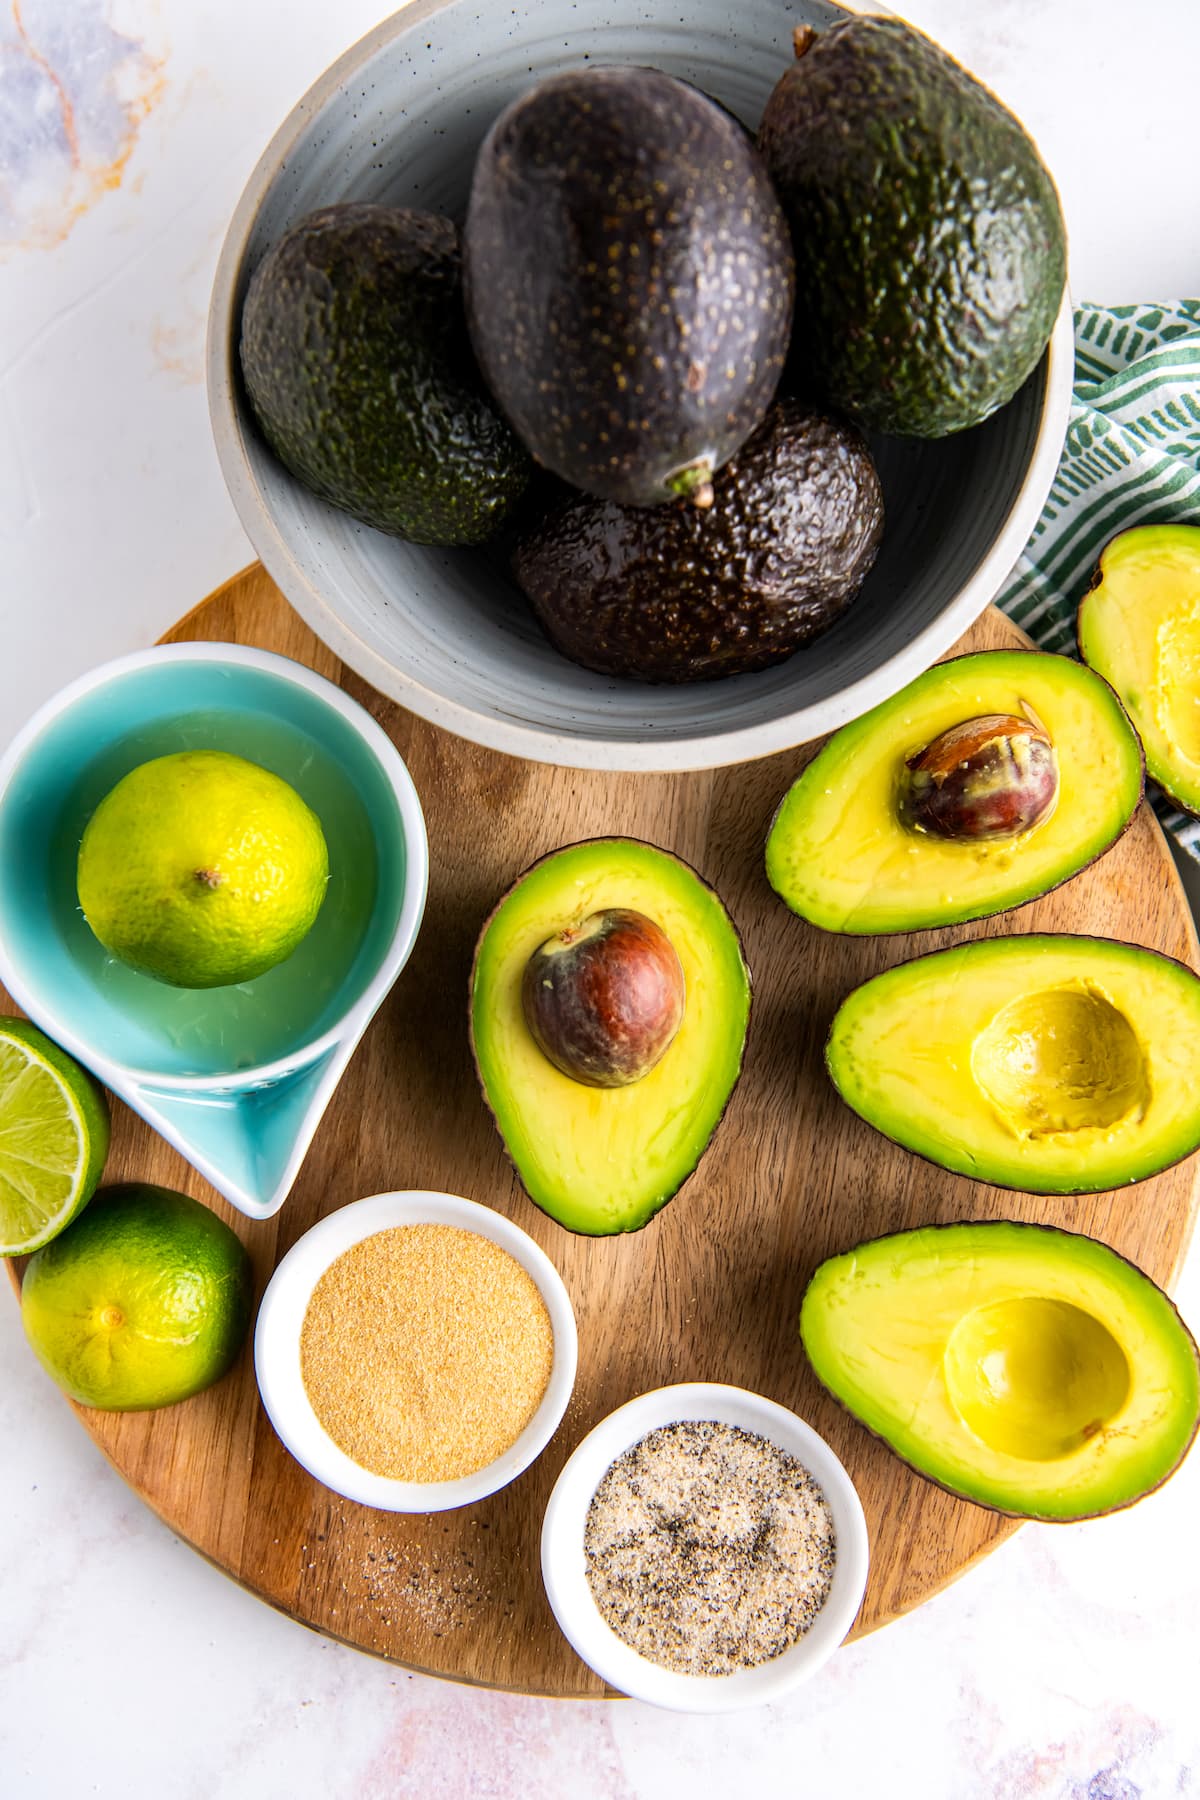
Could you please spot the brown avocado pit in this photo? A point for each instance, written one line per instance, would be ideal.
(675, 593)
(604, 999)
(982, 780)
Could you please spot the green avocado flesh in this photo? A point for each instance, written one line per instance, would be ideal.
(603, 1160)
(929, 240)
(1029, 1369)
(841, 855)
(1052, 1064)
(1139, 627)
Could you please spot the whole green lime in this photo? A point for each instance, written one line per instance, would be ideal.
(202, 869)
(143, 1300)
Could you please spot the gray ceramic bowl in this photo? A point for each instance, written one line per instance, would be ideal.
(399, 118)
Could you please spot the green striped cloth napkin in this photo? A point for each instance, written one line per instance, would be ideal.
(1132, 457)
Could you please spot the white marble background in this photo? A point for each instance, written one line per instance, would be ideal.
(1064, 1668)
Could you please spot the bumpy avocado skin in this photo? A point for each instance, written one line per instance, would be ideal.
(1134, 629)
(929, 240)
(676, 593)
(356, 361)
(628, 280)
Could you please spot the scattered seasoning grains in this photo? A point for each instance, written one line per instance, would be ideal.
(425, 1352)
(708, 1548)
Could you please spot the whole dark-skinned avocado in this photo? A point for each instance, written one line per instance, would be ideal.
(929, 240)
(628, 281)
(676, 593)
(1052, 1064)
(356, 360)
(609, 1007)
(1029, 1369)
(987, 781)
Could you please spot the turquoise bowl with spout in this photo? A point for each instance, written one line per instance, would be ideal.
(237, 1077)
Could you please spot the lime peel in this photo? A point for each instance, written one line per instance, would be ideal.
(143, 1302)
(202, 869)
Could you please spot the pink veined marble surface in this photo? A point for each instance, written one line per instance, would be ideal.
(1063, 1668)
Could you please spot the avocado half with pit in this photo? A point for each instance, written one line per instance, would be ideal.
(1139, 627)
(1029, 1369)
(847, 849)
(604, 1159)
(1052, 1064)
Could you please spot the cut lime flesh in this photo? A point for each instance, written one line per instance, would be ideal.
(54, 1132)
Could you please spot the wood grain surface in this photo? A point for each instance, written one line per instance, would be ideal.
(709, 1291)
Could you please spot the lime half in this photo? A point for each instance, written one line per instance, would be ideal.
(54, 1130)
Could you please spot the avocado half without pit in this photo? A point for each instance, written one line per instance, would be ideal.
(1051, 1064)
(1029, 1369)
(609, 1007)
(604, 998)
(989, 780)
(1139, 627)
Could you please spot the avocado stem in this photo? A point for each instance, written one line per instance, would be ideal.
(803, 38)
(694, 482)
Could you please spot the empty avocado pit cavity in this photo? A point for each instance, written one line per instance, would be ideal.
(1053, 1064)
(1035, 1378)
(1063, 1059)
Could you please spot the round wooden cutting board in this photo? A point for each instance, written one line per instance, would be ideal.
(709, 1291)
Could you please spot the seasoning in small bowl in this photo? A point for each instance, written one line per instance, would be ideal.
(704, 1549)
(708, 1548)
(457, 1340)
(415, 1351)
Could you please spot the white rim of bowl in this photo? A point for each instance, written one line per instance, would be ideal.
(564, 1569)
(704, 751)
(277, 1349)
(416, 880)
